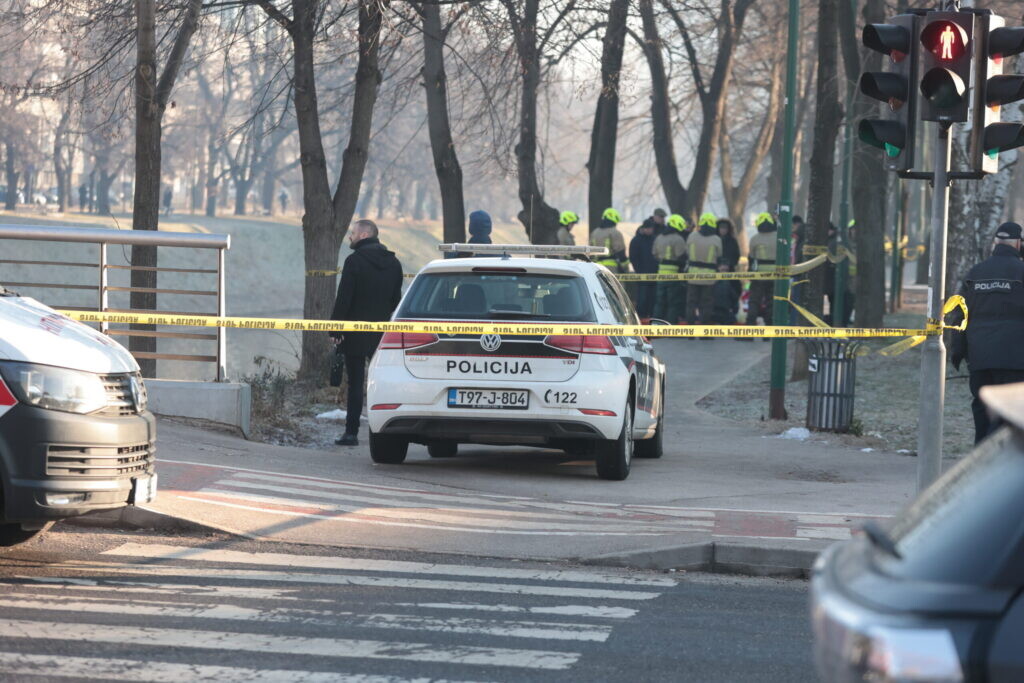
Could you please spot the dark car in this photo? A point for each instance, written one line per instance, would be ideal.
(937, 595)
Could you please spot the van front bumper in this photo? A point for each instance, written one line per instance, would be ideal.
(57, 465)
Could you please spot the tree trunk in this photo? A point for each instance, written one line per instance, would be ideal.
(103, 185)
(661, 114)
(151, 96)
(30, 184)
(383, 195)
(604, 134)
(827, 121)
(868, 178)
(242, 187)
(446, 162)
(211, 173)
(539, 219)
(269, 189)
(421, 198)
(60, 171)
(366, 196)
(11, 172)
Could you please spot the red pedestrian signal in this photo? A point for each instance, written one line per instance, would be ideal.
(946, 39)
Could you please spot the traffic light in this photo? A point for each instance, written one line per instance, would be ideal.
(989, 136)
(947, 39)
(894, 134)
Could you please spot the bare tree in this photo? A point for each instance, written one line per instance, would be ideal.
(827, 120)
(446, 162)
(604, 134)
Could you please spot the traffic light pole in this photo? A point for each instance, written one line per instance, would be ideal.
(780, 308)
(933, 353)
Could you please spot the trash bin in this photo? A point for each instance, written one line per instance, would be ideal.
(832, 374)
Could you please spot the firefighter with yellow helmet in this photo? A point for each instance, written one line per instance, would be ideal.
(762, 251)
(566, 221)
(609, 237)
(704, 251)
(670, 250)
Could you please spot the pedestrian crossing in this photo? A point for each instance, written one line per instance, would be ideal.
(160, 612)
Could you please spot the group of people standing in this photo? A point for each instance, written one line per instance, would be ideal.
(667, 245)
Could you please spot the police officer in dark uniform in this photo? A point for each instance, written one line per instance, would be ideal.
(993, 343)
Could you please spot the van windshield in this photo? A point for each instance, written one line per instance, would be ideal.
(498, 296)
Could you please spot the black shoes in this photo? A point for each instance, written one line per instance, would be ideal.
(347, 440)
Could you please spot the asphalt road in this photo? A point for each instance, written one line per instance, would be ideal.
(86, 605)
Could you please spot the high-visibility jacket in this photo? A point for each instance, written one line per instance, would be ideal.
(670, 250)
(704, 252)
(763, 246)
(612, 240)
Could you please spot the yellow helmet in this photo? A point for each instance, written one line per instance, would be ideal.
(568, 218)
(762, 218)
(611, 215)
(676, 221)
(708, 219)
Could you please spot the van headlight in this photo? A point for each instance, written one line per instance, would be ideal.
(849, 648)
(54, 388)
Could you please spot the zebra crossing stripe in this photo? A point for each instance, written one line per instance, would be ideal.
(171, 552)
(290, 645)
(413, 525)
(20, 664)
(359, 580)
(512, 629)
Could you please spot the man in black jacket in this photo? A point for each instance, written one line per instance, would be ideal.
(642, 258)
(370, 288)
(994, 290)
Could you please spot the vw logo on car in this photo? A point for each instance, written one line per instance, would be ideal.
(490, 342)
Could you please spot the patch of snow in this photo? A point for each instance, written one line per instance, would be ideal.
(337, 414)
(796, 434)
(867, 450)
(904, 450)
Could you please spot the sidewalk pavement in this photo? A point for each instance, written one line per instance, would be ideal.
(724, 496)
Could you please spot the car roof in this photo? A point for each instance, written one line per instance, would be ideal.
(1006, 401)
(534, 265)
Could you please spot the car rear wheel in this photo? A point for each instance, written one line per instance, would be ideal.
(443, 449)
(654, 447)
(388, 449)
(13, 534)
(613, 457)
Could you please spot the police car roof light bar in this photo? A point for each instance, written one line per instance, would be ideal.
(524, 249)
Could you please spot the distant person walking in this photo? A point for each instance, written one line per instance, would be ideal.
(283, 198)
(991, 345)
(370, 289)
(168, 199)
(83, 197)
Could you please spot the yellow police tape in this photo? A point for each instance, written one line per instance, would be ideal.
(512, 329)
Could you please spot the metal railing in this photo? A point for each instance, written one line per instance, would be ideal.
(104, 238)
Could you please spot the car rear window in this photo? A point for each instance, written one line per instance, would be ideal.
(503, 296)
(967, 528)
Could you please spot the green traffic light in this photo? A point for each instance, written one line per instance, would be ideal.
(892, 150)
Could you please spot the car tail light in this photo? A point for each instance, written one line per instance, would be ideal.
(386, 406)
(406, 340)
(578, 343)
(599, 413)
(6, 397)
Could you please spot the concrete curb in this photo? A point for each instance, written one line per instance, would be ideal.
(132, 518)
(718, 558)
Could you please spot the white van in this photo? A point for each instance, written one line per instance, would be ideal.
(75, 435)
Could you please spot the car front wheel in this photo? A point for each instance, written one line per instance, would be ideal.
(613, 457)
(388, 449)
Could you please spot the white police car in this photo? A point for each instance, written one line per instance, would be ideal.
(75, 434)
(595, 396)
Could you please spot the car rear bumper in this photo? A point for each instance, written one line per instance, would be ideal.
(489, 430)
(58, 465)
